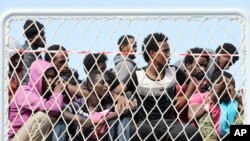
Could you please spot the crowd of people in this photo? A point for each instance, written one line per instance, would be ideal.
(194, 99)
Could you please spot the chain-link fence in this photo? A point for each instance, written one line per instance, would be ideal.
(124, 75)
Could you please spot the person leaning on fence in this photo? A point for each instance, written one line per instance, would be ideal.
(124, 67)
(34, 104)
(229, 106)
(195, 66)
(99, 105)
(15, 73)
(58, 56)
(222, 58)
(35, 37)
(200, 117)
(219, 102)
(67, 130)
(124, 61)
(226, 56)
(154, 89)
(97, 61)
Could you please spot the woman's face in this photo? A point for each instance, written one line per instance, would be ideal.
(100, 85)
(49, 79)
(229, 83)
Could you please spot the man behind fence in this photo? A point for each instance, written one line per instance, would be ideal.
(154, 89)
(35, 37)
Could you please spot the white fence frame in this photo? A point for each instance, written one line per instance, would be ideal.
(244, 15)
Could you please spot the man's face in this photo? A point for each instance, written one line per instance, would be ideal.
(38, 40)
(199, 67)
(49, 79)
(162, 56)
(224, 61)
(131, 48)
(61, 62)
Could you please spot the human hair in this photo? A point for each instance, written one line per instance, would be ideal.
(72, 76)
(195, 52)
(123, 40)
(112, 79)
(50, 55)
(47, 94)
(151, 43)
(32, 27)
(91, 61)
(218, 74)
(228, 48)
(91, 79)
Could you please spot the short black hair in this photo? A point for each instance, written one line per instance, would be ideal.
(32, 27)
(92, 76)
(112, 80)
(50, 55)
(72, 76)
(123, 40)
(218, 74)
(228, 48)
(151, 43)
(91, 61)
(191, 54)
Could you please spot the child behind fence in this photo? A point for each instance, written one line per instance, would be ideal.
(99, 105)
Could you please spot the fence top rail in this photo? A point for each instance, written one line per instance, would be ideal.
(127, 12)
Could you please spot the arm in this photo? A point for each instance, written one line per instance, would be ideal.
(235, 96)
(217, 89)
(35, 102)
(111, 116)
(84, 122)
(120, 100)
(191, 87)
(196, 111)
(77, 91)
(181, 101)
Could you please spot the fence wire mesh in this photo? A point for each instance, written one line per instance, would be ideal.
(124, 77)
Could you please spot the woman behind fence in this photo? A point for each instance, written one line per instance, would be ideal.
(34, 104)
(227, 101)
(99, 106)
(15, 67)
